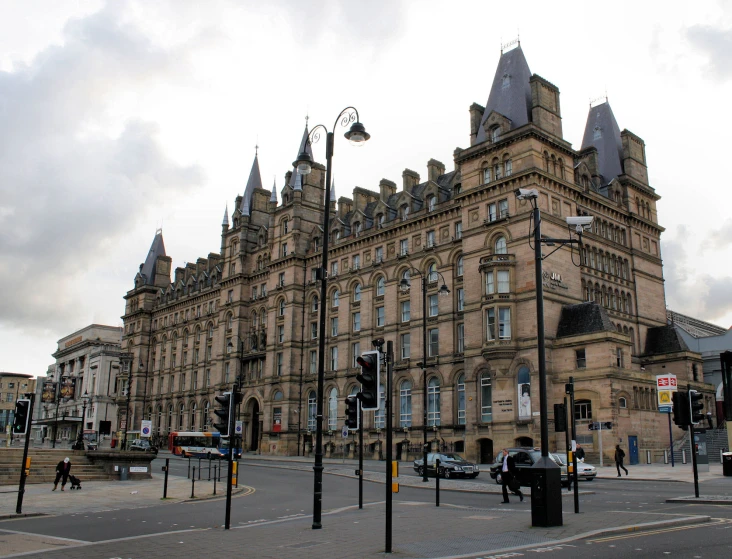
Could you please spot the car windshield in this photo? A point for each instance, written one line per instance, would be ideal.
(452, 458)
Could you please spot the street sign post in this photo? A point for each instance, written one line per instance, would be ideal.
(599, 426)
(666, 385)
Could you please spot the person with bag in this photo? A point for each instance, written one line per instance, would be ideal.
(63, 469)
(509, 479)
(580, 452)
(619, 457)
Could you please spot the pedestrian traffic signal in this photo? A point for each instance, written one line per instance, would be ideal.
(226, 402)
(369, 379)
(21, 419)
(352, 412)
(560, 418)
(696, 405)
(681, 409)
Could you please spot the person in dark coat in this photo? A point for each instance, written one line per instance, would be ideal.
(63, 469)
(580, 452)
(619, 457)
(508, 474)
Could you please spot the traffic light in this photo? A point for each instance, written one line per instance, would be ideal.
(369, 379)
(560, 418)
(352, 412)
(696, 405)
(21, 419)
(681, 409)
(224, 413)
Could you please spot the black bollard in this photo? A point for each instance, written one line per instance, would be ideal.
(214, 480)
(193, 481)
(165, 484)
(437, 481)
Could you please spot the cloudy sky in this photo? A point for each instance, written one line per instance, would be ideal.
(120, 117)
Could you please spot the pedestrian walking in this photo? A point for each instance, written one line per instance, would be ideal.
(580, 452)
(63, 469)
(509, 479)
(709, 420)
(619, 457)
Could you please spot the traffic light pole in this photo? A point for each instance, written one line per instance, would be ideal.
(21, 487)
(360, 463)
(230, 460)
(389, 424)
(693, 446)
(570, 416)
(670, 439)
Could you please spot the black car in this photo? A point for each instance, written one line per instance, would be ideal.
(451, 465)
(524, 458)
(142, 445)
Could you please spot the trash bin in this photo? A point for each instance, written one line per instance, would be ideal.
(727, 463)
(123, 473)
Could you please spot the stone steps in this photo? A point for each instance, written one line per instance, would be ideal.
(43, 466)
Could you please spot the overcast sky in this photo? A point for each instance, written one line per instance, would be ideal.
(117, 118)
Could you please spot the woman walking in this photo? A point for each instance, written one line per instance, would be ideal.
(619, 457)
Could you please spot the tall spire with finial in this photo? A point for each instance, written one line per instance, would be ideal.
(255, 181)
(225, 223)
(304, 147)
(273, 198)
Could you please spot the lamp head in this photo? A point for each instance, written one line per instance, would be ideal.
(404, 285)
(444, 291)
(304, 163)
(357, 135)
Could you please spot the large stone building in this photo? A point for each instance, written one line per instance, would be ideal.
(249, 313)
(13, 386)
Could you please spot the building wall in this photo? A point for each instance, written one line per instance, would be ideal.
(13, 386)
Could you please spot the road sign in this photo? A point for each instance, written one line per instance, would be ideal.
(238, 428)
(666, 385)
(344, 432)
(666, 409)
(146, 429)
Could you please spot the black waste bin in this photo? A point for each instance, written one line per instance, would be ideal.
(727, 463)
(123, 470)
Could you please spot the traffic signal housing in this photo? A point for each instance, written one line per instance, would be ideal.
(681, 409)
(226, 401)
(560, 418)
(21, 419)
(369, 379)
(696, 405)
(352, 412)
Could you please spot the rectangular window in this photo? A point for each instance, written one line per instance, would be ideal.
(357, 322)
(430, 238)
(195, 357)
(379, 254)
(460, 300)
(504, 323)
(356, 353)
(182, 385)
(486, 175)
(313, 362)
(504, 284)
(403, 247)
(491, 212)
(208, 377)
(280, 334)
(280, 361)
(405, 341)
(619, 357)
(334, 359)
(581, 358)
(433, 340)
(502, 208)
(490, 317)
(379, 317)
(356, 261)
(313, 274)
(227, 372)
(489, 286)
(263, 290)
(208, 353)
(460, 338)
(507, 168)
(334, 268)
(172, 383)
(230, 296)
(229, 345)
(459, 230)
(281, 280)
(486, 399)
(432, 302)
(284, 249)
(314, 330)
(195, 380)
(334, 326)
(254, 292)
(405, 311)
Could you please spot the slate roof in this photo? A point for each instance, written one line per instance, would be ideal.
(664, 339)
(307, 148)
(156, 249)
(510, 93)
(255, 181)
(602, 133)
(583, 318)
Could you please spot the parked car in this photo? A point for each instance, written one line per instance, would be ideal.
(451, 465)
(525, 458)
(584, 470)
(142, 445)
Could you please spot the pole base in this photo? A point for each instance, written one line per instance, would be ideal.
(546, 494)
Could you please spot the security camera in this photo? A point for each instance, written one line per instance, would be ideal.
(526, 193)
(580, 222)
(378, 342)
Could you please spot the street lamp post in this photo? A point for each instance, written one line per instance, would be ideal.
(127, 364)
(443, 291)
(80, 437)
(357, 135)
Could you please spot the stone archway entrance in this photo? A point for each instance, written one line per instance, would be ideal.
(252, 429)
(485, 451)
(524, 441)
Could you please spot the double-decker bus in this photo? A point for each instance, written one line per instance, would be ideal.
(199, 444)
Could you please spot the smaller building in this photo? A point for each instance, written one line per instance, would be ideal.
(79, 389)
(13, 386)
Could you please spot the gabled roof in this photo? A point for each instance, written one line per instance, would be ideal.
(602, 133)
(510, 93)
(156, 249)
(583, 318)
(255, 181)
(664, 339)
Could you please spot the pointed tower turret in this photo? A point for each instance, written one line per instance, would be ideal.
(225, 222)
(273, 198)
(602, 133)
(304, 147)
(150, 272)
(255, 181)
(510, 93)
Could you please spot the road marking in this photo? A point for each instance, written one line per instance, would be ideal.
(21, 533)
(659, 531)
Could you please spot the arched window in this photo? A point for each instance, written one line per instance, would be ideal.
(312, 410)
(380, 286)
(278, 396)
(357, 292)
(263, 318)
(229, 324)
(405, 404)
(314, 303)
(255, 320)
(459, 267)
(523, 380)
(333, 409)
(181, 416)
(486, 398)
(500, 246)
(357, 228)
(205, 415)
(432, 273)
(170, 417)
(210, 331)
(380, 220)
(194, 410)
(335, 298)
(433, 401)
(406, 275)
(622, 403)
(281, 308)
(285, 226)
(461, 408)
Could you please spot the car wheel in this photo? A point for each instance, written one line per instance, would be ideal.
(474, 476)
(498, 479)
(446, 474)
(420, 471)
(590, 479)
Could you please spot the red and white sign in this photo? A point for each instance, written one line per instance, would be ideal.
(666, 382)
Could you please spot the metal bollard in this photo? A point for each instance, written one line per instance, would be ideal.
(199, 468)
(189, 468)
(165, 485)
(214, 481)
(209, 469)
(437, 482)
(193, 482)
(665, 456)
(648, 456)
(683, 456)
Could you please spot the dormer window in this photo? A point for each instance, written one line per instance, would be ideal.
(380, 220)
(316, 244)
(404, 211)
(505, 81)
(495, 134)
(431, 201)
(596, 133)
(357, 227)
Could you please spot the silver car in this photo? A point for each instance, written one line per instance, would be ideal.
(584, 471)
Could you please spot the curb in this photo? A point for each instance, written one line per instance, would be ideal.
(700, 500)
(22, 515)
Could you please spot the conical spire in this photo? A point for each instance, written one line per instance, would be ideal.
(255, 181)
(602, 133)
(273, 198)
(510, 93)
(304, 147)
(332, 189)
(225, 223)
(157, 248)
